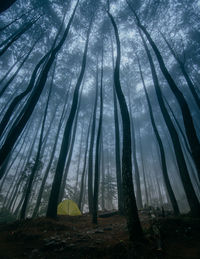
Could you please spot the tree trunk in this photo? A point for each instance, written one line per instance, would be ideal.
(184, 72)
(187, 117)
(97, 154)
(117, 147)
(90, 155)
(84, 166)
(162, 152)
(185, 177)
(133, 223)
(22, 119)
(17, 36)
(38, 201)
(137, 174)
(54, 196)
(37, 159)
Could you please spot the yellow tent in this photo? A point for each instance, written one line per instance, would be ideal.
(68, 207)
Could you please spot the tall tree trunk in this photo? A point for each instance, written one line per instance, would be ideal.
(117, 147)
(37, 159)
(11, 68)
(143, 170)
(17, 36)
(161, 148)
(90, 155)
(103, 174)
(69, 156)
(187, 117)
(133, 223)
(184, 72)
(54, 196)
(137, 174)
(84, 166)
(33, 99)
(76, 191)
(97, 154)
(46, 173)
(185, 177)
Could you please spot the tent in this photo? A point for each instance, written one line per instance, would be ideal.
(68, 207)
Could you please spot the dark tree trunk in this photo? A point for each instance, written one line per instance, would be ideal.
(117, 147)
(97, 154)
(3, 89)
(54, 196)
(143, 170)
(76, 189)
(134, 152)
(69, 156)
(38, 201)
(37, 159)
(22, 119)
(103, 175)
(11, 68)
(178, 126)
(187, 117)
(90, 155)
(84, 167)
(184, 72)
(185, 177)
(16, 36)
(162, 152)
(133, 223)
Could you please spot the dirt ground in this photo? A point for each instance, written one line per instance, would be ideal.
(76, 237)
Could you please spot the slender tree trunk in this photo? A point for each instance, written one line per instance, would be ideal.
(11, 68)
(187, 117)
(17, 36)
(38, 201)
(137, 174)
(33, 99)
(84, 166)
(90, 155)
(69, 157)
(103, 174)
(184, 72)
(117, 147)
(143, 170)
(97, 154)
(185, 177)
(76, 191)
(37, 159)
(133, 223)
(178, 126)
(162, 152)
(54, 196)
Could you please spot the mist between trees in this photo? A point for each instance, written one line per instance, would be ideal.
(100, 103)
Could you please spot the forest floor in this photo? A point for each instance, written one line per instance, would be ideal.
(76, 237)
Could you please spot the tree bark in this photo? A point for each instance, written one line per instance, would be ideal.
(90, 155)
(133, 223)
(54, 196)
(185, 177)
(187, 117)
(22, 119)
(162, 152)
(97, 154)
